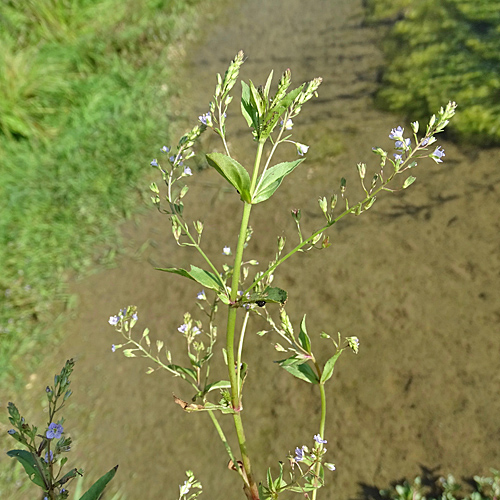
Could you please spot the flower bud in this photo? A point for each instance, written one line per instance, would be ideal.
(362, 170)
(323, 204)
(296, 214)
(281, 243)
(333, 201)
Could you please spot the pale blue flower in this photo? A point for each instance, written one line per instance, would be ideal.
(183, 328)
(195, 330)
(396, 133)
(113, 320)
(301, 148)
(425, 141)
(438, 154)
(318, 439)
(288, 124)
(201, 295)
(299, 454)
(402, 145)
(187, 171)
(206, 119)
(113, 348)
(329, 466)
(54, 431)
(165, 149)
(134, 316)
(46, 459)
(226, 251)
(154, 163)
(11, 431)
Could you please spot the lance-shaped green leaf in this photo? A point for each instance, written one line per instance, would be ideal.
(221, 384)
(270, 181)
(305, 341)
(267, 87)
(32, 465)
(184, 373)
(204, 278)
(258, 99)
(270, 294)
(69, 475)
(329, 366)
(95, 491)
(233, 172)
(299, 368)
(248, 107)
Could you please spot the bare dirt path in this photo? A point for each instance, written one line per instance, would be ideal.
(416, 279)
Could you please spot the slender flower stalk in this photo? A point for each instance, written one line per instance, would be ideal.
(231, 325)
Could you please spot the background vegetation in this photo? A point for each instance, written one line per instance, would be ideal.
(441, 50)
(83, 105)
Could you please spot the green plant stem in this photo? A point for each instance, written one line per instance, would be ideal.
(240, 351)
(231, 326)
(321, 423)
(222, 437)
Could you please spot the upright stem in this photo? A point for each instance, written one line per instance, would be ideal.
(231, 326)
(321, 423)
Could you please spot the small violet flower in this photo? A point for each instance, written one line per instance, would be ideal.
(396, 133)
(195, 330)
(226, 251)
(54, 431)
(299, 454)
(438, 154)
(11, 431)
(187, 171)
(288, 124)
(113, 348)
(113, 320)
(201, 295)
(301, 148)
(134, 316)
(318, 439)
(154, 163)
(46, 459)
(402, 145)
(165, 149)
(183, 328)
(206, 119)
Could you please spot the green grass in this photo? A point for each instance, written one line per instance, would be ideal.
(442, 50)
(431, 487)
(83, 107)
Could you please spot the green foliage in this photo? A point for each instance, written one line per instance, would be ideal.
(443, 50)
(74, 76)
(46, 472)
(233, 172)
(446, 488)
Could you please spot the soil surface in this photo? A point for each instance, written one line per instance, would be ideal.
(414, 279)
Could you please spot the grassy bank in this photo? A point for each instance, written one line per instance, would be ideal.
(438, 51)
(84, 91)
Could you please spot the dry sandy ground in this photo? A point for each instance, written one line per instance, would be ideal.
(414, 279)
